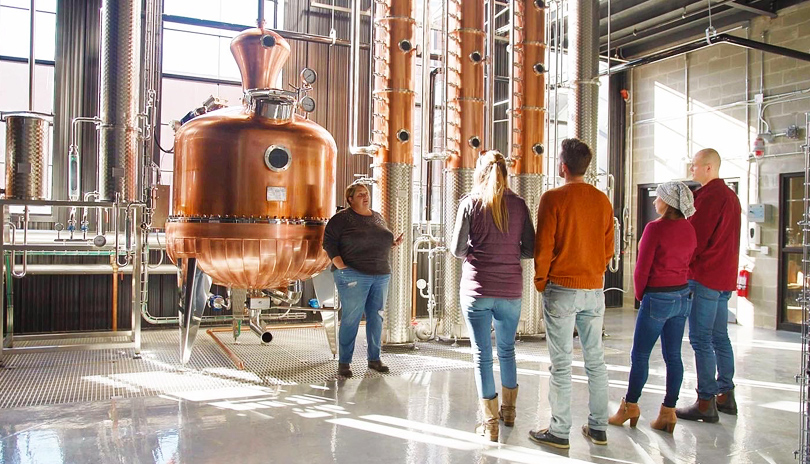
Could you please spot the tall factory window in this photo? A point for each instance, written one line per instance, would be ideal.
(14, 51)
(197, 61)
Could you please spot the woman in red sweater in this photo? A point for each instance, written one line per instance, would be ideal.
(664, 252)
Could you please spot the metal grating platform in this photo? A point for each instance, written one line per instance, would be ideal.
(296, 356)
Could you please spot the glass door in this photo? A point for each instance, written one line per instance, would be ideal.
(791, 191)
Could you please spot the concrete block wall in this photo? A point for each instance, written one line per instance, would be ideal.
(706, 99)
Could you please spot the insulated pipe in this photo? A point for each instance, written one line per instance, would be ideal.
(120, 80)
(583, 56)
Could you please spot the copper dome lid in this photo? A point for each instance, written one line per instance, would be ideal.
(260, 55)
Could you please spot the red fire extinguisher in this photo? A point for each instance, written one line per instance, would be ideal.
(743, 281)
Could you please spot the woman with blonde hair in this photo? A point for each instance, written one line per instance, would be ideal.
(493, 232)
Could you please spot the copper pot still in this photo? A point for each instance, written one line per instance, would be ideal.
(253, 185)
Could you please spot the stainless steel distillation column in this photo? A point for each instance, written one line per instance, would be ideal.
(583, 48)
(392, 122)
(527, 82)
(120, 81)
(465, 132)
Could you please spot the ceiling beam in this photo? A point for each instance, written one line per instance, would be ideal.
(752, 9)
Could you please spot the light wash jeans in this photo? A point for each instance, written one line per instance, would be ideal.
(563, 309)
(479, 313)
(360, 294)
(661, 314)
(708, 335)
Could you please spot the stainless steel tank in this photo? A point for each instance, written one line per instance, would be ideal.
(27, 149)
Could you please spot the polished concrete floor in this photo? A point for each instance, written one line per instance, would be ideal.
(411, 415)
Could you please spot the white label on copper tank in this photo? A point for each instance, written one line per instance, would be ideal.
(276, 193)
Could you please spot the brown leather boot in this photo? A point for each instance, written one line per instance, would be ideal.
(726, 403)
(705, 410)
(666, 419)
(489, 427)
(626, 411)
(508, 407)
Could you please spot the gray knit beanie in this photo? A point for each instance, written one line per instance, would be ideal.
(677, 195)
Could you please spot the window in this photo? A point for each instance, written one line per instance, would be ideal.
(15, 29)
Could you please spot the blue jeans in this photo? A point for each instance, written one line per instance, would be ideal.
(360, 294)
(661, 314)
(479, 313)
(563, 309)
(708, 335)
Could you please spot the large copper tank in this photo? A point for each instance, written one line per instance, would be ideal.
(253, 185)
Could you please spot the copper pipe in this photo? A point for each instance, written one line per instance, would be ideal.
(393, 96)
(465, 98)
(237, 361)
(114, 293)
(528, 81)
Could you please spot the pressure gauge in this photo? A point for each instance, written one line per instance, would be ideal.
(308, 104)
(309, 75)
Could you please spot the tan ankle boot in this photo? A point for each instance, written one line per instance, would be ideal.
(489, 427)
(508, 407)
(626, 411)
(666, 419)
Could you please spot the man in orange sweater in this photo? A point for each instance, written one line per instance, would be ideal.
(573, 246)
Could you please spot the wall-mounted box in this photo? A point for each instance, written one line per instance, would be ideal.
(759, 212)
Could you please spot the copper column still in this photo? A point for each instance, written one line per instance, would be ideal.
(465, 115)
(392, 134)
(254, 186)
(527, 123)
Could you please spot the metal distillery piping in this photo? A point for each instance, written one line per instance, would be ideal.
(392, 104)
(465, 130)
(526, 131)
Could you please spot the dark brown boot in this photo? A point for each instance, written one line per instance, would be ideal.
(726, 403)
(705, 410)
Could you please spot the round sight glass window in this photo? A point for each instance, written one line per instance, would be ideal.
(277, 158)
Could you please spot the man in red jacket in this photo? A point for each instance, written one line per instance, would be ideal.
(712, 277)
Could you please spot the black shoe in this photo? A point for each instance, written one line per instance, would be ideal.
(705, 410)
(378, 366)
(544, 437)
(726, 403)
(344, 370)
(598, 437)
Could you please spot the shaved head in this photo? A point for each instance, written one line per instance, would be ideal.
(709, 156)
(706, 166)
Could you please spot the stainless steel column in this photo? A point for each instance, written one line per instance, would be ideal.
(120, 81)
(583, 56)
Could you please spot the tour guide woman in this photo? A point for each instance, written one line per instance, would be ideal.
(359, 244)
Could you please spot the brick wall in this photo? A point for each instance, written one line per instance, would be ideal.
(702, 100)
